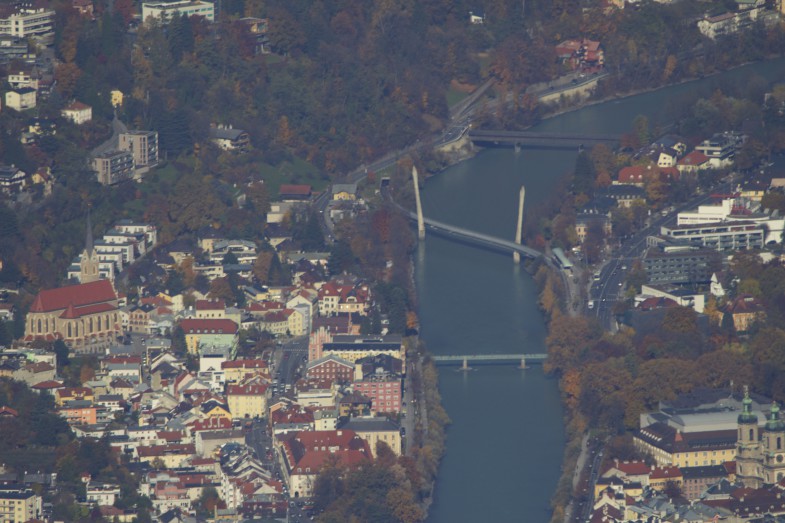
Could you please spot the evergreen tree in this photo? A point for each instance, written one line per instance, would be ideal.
(180, 36)
(583, 176)
(61, 351)
(341, 257)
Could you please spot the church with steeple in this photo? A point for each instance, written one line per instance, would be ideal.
(760, 450)
(85, 316)
(88, 261)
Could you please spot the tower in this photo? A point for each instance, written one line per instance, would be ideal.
(773, 447)
(748, 465)
(88, 262)
(516, 256)
(420, 219)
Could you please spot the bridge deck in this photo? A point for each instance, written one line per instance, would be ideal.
(492, 241)
(476, 358)
(541, 140)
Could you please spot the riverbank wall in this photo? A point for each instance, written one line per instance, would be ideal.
(564, 102)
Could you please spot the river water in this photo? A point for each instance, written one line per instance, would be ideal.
(505, 445)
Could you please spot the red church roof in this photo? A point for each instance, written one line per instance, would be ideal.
(77, 312)
(77, 295)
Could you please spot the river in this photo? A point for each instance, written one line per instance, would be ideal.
(505, 445)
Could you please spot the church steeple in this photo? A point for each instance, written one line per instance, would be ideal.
(88, 263)
(88, 244)
(747, 416)
(749, 469)
(774, 423)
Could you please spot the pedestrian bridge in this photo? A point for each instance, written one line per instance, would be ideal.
(541, 140)
(495, 359)
(475, 237)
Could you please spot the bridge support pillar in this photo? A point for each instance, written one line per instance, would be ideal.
(516, 256)
(465, 365)
(523, 363)
(420, 219)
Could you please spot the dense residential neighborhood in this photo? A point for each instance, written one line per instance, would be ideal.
(207, 279)
(200, 393)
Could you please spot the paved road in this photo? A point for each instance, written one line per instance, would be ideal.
(584, 512)
(409, 405)
(288, 362)
(113, 142)
(579, 464)
(610, 288)
(461, 116)
(259, 440)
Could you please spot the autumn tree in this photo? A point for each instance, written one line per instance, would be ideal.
(670, 67)
(262, 264)
(568, 341)
(67, 75)
(221, 289)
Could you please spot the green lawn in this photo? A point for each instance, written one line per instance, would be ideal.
(273, 58)
(485, 61)
(454, 96)
(297, 171)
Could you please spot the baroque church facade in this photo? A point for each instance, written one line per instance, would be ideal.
(760, 449)
(85, 316)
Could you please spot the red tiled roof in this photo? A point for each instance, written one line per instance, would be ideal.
(694, 158)
(264, 306)
(632, 468)
(295, 190)
(312, 461)
(278, 316)
(8, 411)
(48, 384)
(77, 312)
(745, 304)
(71, 392)
(205, 461)
(208, 326)
(170, 436)
(293, 414)
(245, 390)
(40, 366)
(212, 424)
(665, 472)
(210, 305)
(127, 360)
(244, 364)
(79, 295)
(634, 173)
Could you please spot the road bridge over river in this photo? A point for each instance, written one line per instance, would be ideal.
(492, 359)
(541, 140)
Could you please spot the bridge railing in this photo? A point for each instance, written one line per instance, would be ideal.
(464, 360)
